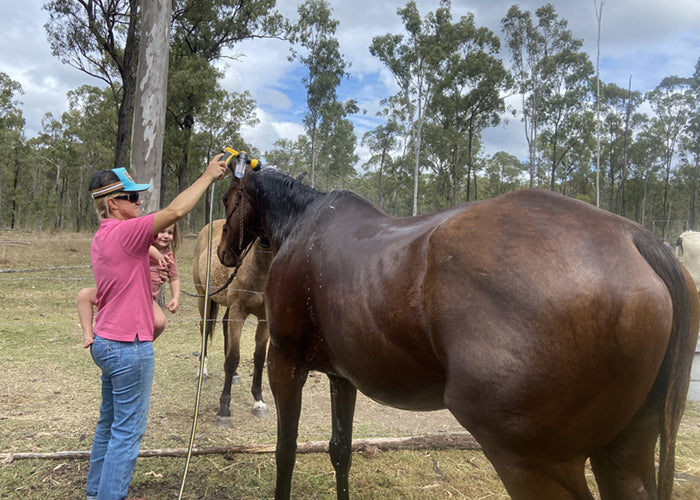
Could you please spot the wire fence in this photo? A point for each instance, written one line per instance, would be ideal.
(89, 280)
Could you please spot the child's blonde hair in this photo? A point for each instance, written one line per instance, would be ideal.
(176, 238)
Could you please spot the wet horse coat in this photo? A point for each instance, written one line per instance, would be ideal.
(553, 331)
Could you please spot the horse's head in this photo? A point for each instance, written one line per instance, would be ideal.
(242, 222)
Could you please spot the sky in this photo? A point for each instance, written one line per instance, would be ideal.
(645, 40)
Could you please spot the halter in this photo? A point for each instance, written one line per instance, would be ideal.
(241, 226)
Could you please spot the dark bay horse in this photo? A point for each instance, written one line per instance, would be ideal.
(242, 297)
(553, 331)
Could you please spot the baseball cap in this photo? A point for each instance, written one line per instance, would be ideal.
(106, 182)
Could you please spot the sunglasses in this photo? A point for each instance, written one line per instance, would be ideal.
(132, 197)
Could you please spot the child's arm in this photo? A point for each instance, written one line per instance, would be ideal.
(175, 291)
(156, 258)
(85, 302)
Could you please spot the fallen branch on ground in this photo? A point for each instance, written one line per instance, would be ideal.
(432, 441)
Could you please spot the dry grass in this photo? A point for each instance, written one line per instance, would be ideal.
(49, 398)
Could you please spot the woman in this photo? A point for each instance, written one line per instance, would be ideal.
(122, 345)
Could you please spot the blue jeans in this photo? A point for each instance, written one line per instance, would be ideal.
(127, 378)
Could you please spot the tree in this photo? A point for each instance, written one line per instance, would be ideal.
(540, 52)
(202, 30)
(99, 37)
(672, 102)
(526, 46)
(381, 142)
(598, 4)
(337, 144)
(690, 150)
(12, 148)
(411, 63)
(503, 173)
(617, 106)
(315, 33)
(291, 157)
(468, 85)
(150, 99)
(220, 124)
(564, 116)
(78, 144)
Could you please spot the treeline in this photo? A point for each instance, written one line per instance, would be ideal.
(633, 153)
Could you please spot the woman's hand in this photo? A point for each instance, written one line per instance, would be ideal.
(216, 168)
(88, 339)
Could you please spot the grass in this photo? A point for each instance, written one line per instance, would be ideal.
(49, 399)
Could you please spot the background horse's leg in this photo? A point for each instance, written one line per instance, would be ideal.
(232, 348)
(262, 335)
(343, 397)
(287, 379)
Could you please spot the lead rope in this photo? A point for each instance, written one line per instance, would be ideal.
(203, 347)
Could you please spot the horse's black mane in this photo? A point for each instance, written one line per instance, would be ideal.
(281, 198)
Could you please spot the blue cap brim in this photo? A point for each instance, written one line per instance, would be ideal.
(129, 184)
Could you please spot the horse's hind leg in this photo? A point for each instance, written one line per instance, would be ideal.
(343, 397)
(531, 467)
(536, 477)
(232, 344)
(206, 327)
(262, 335)
(625, 467)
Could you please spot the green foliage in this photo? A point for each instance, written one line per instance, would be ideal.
(330, 133)
(100, 38)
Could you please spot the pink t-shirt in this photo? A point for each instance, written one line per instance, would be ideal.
(120, 264)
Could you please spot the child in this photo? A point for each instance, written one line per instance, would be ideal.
(163, 268)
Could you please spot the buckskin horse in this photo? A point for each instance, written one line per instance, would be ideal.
(242, 297)
(553, 331)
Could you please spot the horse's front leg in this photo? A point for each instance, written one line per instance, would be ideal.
(262, 335)
(343, 397)
(232, 348)
(287, 377)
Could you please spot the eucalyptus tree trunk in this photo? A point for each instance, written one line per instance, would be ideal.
(151, 98)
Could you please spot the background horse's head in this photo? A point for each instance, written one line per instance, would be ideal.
(242, 224)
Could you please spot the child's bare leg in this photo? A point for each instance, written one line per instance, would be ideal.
(159, 320)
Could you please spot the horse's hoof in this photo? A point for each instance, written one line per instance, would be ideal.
(235, 380)
(260, 409)
(204, 377)
(223, 421)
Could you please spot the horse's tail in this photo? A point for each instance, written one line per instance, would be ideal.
(674, 376)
